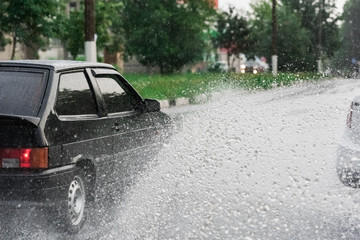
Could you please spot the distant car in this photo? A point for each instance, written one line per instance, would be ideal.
(70, 132)
(348, 158)
(254, 66)
(249, 67)
(220, 67)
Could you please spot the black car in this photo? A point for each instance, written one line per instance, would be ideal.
(70, 132)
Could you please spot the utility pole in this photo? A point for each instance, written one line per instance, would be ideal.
(274, 40)
(320, 51)
(90, 44)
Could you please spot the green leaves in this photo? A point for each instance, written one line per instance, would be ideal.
(32, 22)
(72, 32)
(232, 33)
(321, 20)
(28, 21)
(164, 33)
(304, 35)
(108, 27)
(349, 52)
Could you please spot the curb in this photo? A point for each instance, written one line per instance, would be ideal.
(203, 98)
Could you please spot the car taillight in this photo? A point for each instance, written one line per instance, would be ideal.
(349, 116)
(24, 157)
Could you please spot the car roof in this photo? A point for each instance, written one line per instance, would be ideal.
(56, 65)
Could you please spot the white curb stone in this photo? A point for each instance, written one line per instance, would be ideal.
(164, 103)
(182, 101)
(203, 98)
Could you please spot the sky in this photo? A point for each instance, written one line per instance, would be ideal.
(243, 5)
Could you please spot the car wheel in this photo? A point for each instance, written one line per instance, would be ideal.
(348, 178)
(73, 211)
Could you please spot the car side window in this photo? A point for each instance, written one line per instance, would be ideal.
(74, 95)
(115, 96)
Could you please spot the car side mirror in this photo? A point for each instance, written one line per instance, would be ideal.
(152, 105)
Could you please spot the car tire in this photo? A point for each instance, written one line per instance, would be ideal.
(73, 211)
(348, 178)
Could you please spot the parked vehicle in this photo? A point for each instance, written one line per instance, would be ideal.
(254, 66)
(219, 67)
(70, 132)
(348, 159)
(249, 67)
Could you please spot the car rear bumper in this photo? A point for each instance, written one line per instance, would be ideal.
(42, 188)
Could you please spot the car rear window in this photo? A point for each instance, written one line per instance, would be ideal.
(21, 93)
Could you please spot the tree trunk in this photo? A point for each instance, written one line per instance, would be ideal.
(90, 43)
(116, 59)
(14, 46)
(321, 4)
(161, 68)
(89, 20)
(31, 51)
(228, 59)
(274, 29)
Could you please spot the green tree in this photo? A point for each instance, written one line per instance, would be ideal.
(28, 21)
(349, 52)
(71, 32)
(232, 33)
(293, 39)
(165, 33)
(320, 19)
(71, 28)
(3, 40)
(108, 24)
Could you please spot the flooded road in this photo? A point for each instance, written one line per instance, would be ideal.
(245, 165)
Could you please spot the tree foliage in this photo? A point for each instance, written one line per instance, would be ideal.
(108, 24)
(349, 52)
(27, 21)
(71, 32)
(107, 14)
(232, 33)
(320, 19)
(165, 33)
(293, 40)
(307, 31)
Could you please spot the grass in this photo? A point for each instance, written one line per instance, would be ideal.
(190, 85)
(172, 86)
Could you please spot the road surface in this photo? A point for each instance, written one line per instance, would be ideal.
(245, 165)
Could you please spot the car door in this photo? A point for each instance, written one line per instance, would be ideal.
(135, 135)
(81, 127)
